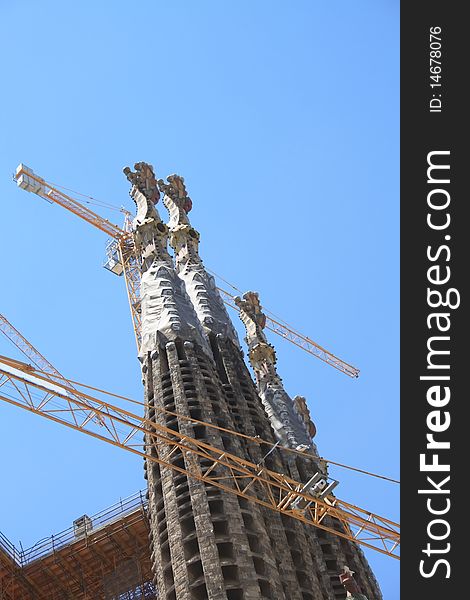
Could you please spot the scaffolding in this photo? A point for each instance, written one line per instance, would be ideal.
(103, 557)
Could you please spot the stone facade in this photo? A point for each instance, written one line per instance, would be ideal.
(205, 542)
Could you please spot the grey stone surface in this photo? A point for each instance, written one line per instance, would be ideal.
(184, 240)
(290, 420)
(166, 311)
(206, 542)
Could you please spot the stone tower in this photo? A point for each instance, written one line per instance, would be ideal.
(205, 542)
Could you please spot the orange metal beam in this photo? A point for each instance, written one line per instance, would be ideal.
(226, 471)
(50, 193)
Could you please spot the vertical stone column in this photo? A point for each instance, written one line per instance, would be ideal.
(289, 538)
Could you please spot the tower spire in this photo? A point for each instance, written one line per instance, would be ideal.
(289, 418)
(166, 310)
(184, 239)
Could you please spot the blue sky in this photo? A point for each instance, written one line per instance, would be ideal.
(283, 118)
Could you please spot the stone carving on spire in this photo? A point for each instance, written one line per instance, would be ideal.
(290, 420)
(301, 408)
(184, 240)
(167, 312)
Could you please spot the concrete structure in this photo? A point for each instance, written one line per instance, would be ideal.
(207, 543)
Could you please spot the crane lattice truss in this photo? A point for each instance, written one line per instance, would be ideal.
(51, 398)
(30, 182)
(25, 346)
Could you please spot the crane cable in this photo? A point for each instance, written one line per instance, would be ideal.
(234, 287)
(89, 199)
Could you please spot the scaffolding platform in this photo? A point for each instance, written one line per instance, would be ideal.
(105, 557)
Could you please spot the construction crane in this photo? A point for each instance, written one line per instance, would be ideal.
(37, 392)
(121, 260)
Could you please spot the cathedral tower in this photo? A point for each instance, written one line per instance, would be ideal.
(205, 542)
